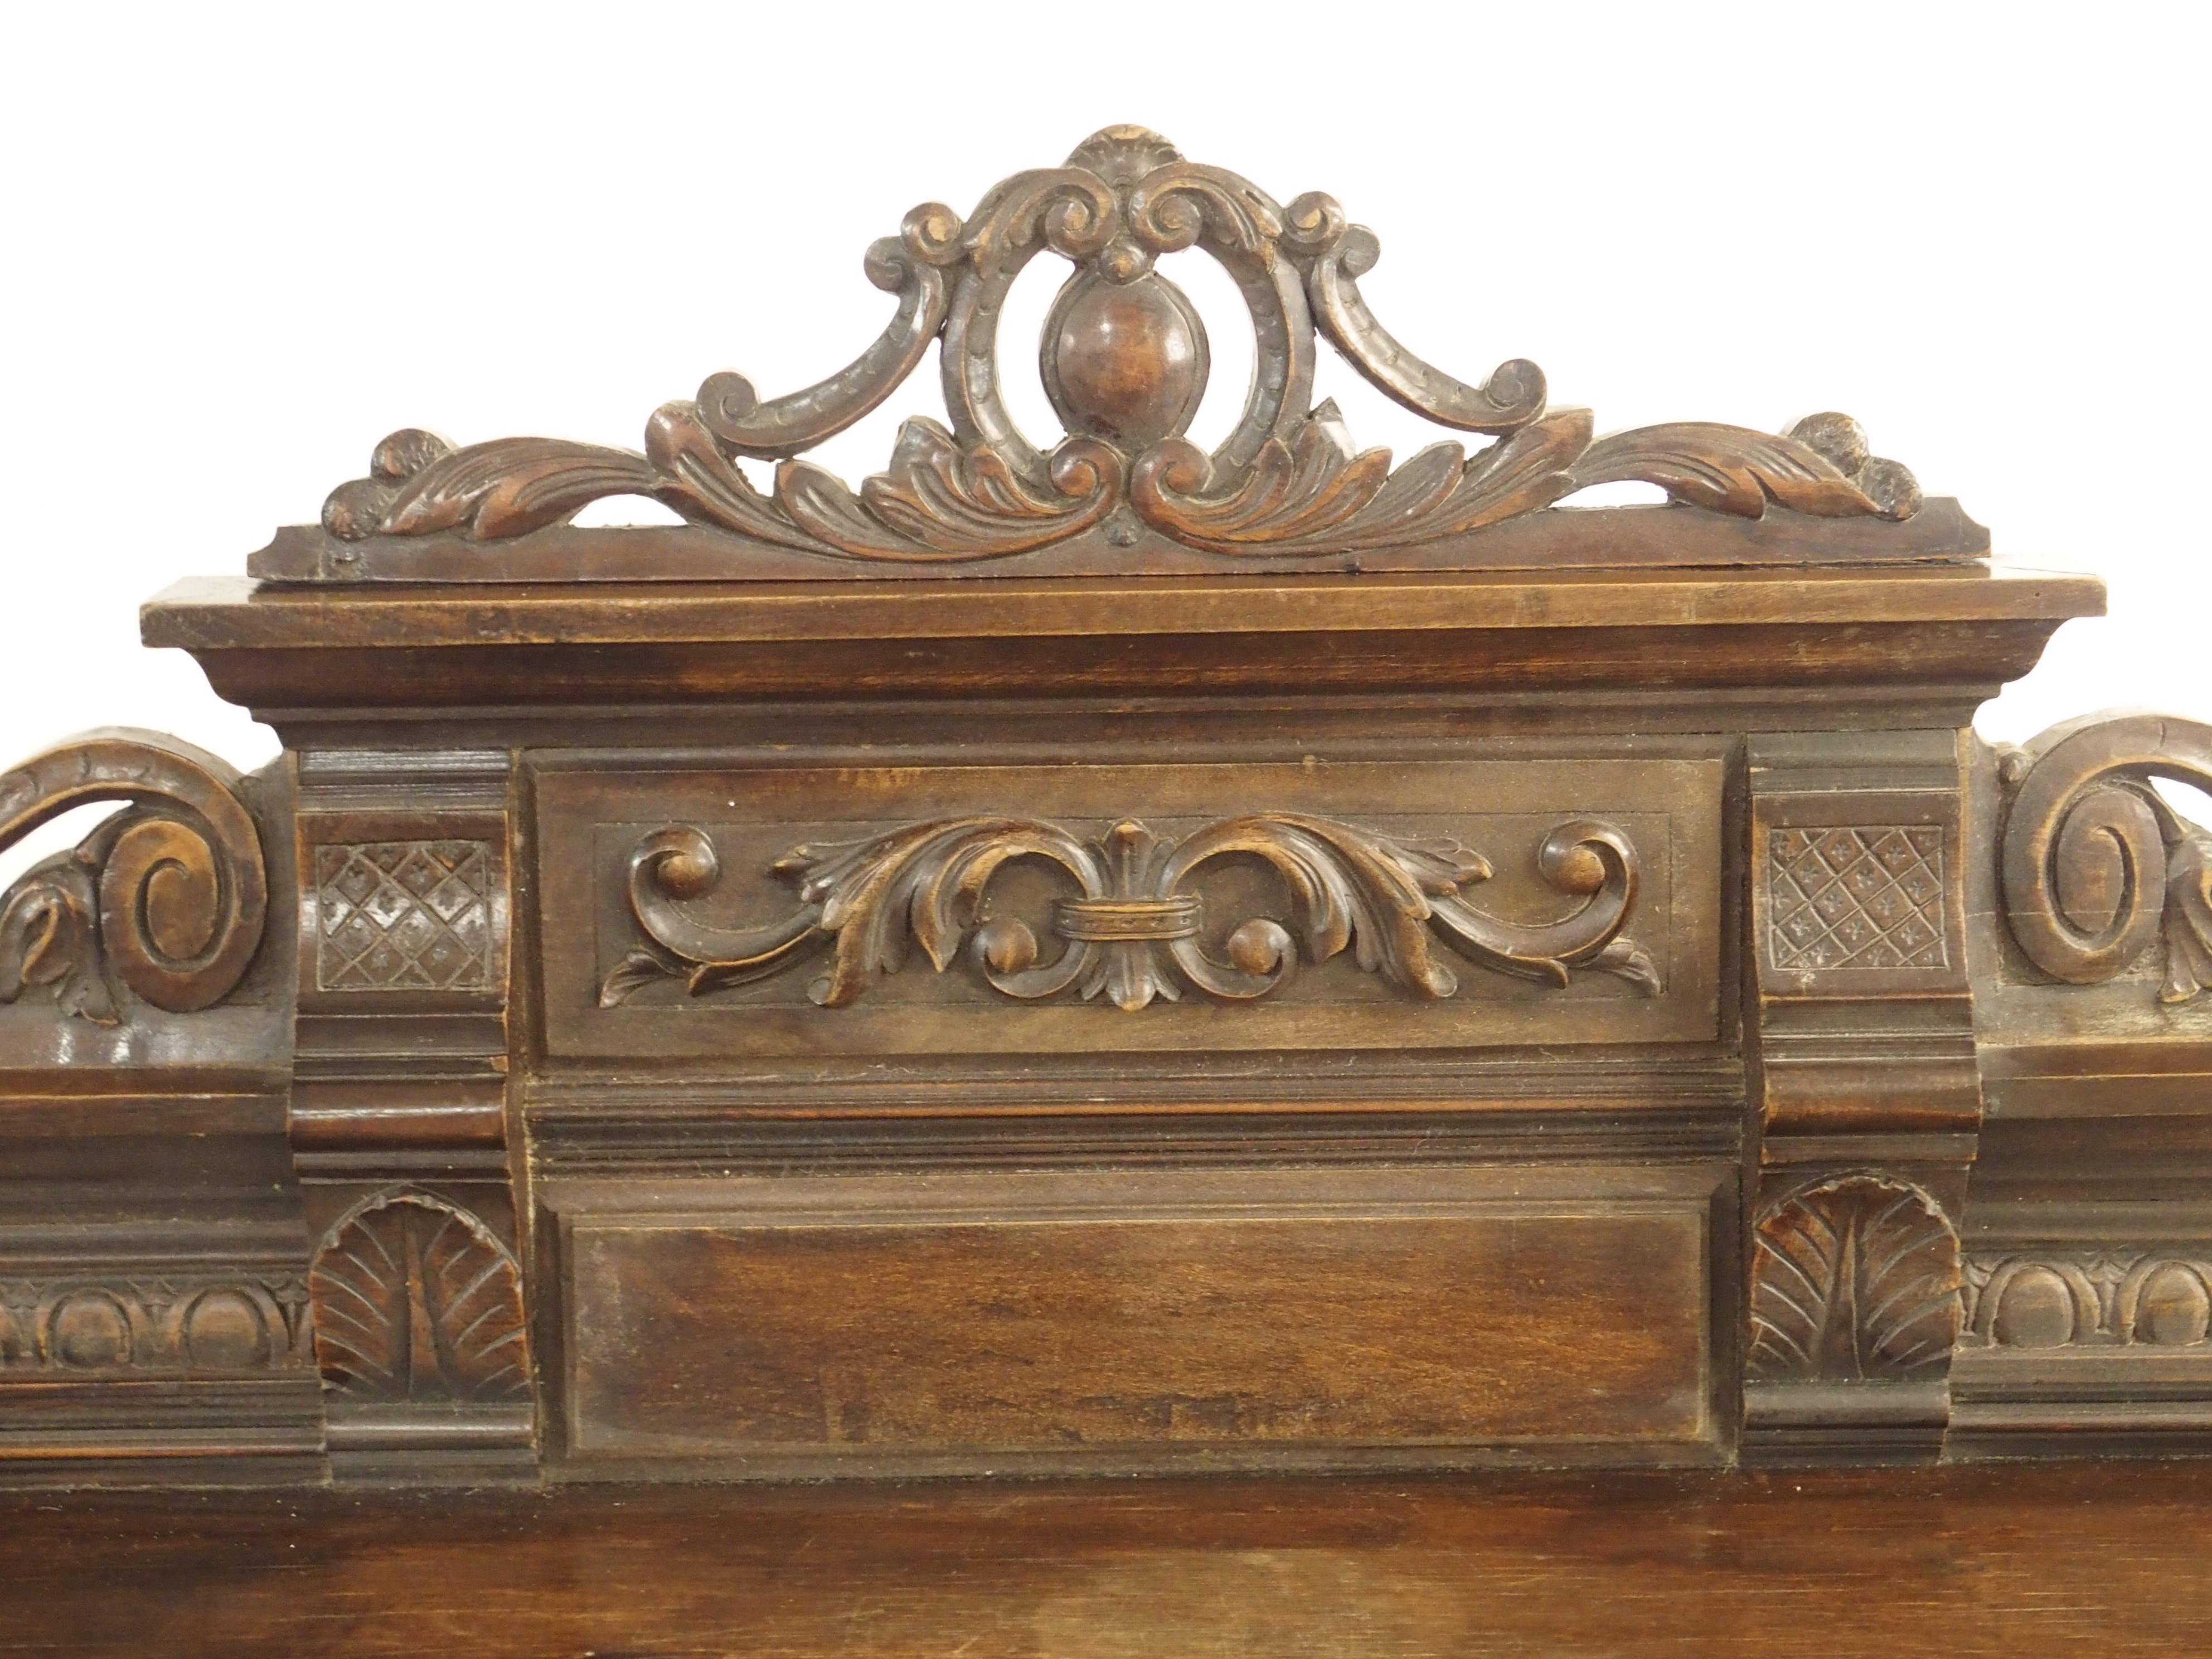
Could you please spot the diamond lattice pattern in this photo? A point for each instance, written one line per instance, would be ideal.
(1865, 897)
(405, 915)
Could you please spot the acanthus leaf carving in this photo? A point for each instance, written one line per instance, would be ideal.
(415, 1299)
(1134, 930)
(167, 897)
(2096, 866)
(1854, 1279)
(1287, 480)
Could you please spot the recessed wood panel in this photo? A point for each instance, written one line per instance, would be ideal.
(1137, 1321)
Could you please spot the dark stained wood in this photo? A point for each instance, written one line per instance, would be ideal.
(1565, 538)
(1994, 1562)
(1124, 362)
(734, 957)
(1317, 964)
(1109, 1323)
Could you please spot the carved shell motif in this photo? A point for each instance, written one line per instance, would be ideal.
(415, 1299)
(1125, 362)
(1855, 1279)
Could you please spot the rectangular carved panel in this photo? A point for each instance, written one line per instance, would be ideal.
(1012, 908)
(1135, 1320)
(404, 916)
(1863, 897)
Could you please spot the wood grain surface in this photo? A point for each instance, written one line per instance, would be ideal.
(2020, 1562)
(1032, 1322)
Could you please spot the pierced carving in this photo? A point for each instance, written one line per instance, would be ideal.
(2096, 866)
(1852, 897)
(168, 896)
(415, 1299)
(188, 1324)
(2150, 1297)
(1133, 932)
(404, 916)
(1124, 362)
(1855, 1279)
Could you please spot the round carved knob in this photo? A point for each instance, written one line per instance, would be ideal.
(1125, 362)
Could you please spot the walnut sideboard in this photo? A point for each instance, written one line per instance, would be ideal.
(1111, 957)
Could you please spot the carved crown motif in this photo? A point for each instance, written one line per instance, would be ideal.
(1125, 363)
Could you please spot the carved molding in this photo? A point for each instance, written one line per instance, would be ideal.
(2096, 866)
(1855, 1279)
(1125, 362)
(168, 896)
(415, 1299)
(188, 1323)
(1134, 932)
(2148, 1297)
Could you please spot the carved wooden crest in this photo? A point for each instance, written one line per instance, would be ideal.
(1124, 362)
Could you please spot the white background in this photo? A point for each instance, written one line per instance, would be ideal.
(243, 245)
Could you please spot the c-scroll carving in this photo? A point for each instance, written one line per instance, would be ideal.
(2096, 866)
(168, 896)
(1125, 360)
(1132, 931)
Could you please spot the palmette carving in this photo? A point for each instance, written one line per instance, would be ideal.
(1135, 929)
(1125, 362)
(167, 897)
(2096, 866)
(415, 1299)
(1855, 1279)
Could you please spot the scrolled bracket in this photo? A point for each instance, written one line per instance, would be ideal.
(2096, 865)
(169, 897)
(1335, 254)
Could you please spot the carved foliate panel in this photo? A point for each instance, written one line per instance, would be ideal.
(1211, 906)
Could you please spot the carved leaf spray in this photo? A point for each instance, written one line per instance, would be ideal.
(1125, 362)
(1134, 930)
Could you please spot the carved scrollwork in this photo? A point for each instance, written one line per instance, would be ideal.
(2096, 866)
(1134, 929)
(1125, 362)
(168, 896)
(1855, 1279)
